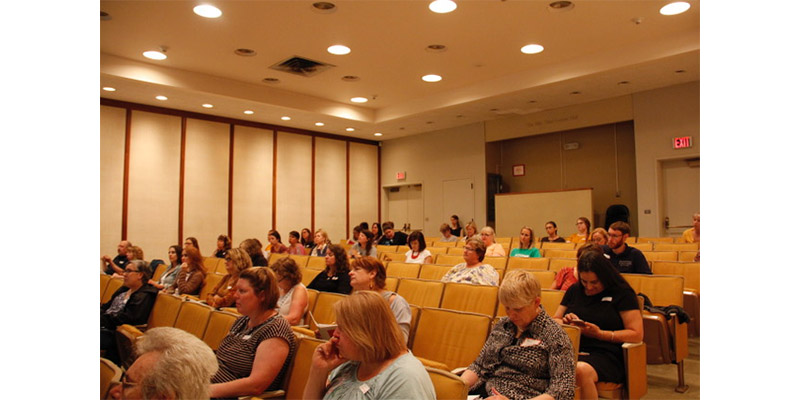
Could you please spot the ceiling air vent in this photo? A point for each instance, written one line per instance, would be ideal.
(301, 66)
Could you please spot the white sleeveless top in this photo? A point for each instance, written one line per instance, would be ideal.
(285, 303)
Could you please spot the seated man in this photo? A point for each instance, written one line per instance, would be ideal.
(117, 265)
(130, 304)
(392, 238)
(626, 259)
(173, 364)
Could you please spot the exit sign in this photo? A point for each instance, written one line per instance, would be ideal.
(400, 175)
(682, 142)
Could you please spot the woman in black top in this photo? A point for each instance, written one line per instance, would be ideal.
(335, 278)
(223, 245)
(455, 229)
(552, 233)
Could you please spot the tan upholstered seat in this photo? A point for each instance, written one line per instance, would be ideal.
(110, 374)
(317, 263)
(527, 263)
(556, 264)
(676, 246)
(557, 253)
(193, 317)
(219, 324)
(447, 385)
(433, 271)
(558, 246)
(448, 339)
(450, 259)
(113, 285)
(661, 255)
(323, 307)
(421, 292)
(211, 263)
(480, 299)
(402, 269)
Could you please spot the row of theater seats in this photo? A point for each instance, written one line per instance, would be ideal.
(454, 254)
(514, 241)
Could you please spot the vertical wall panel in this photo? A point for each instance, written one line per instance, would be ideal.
(363, 184)
(205, 212)
(293, 184)
(153, 182)
(112, 158)
(330, 207)
(252, 184)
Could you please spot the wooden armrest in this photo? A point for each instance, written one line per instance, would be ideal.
(433, 364)
(636, 369)
(190, 297)
(272, 394)
(680, 337)
(458, 371)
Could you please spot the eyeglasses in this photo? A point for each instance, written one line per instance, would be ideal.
(129, 271)
(468, 249)
(615, 235)
(126, 384)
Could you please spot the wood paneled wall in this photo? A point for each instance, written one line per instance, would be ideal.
(167, 174)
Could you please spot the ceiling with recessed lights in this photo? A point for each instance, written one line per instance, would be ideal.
(418, 70)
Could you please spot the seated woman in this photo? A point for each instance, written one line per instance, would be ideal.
(367, 273)
(223, 295)
(335, 278)
(353, 240)
(473, 270)
(321, 242)
(455, 228)
(692, 235)
(366, 357)
(526, 246)
(568, 276)
(377, 232)
(605, 308)
(418, 253)
(293, 297)
(256, 353)
(223, 245)
(583, 225)
(493, 249)
(364, 247)
(275, 245)
(193, 273)
(447, 236)
(132, 253)
(600, 236)
(470, 232)
(295, 247)
(175, 257)
(191, 242)
(552, 233)
(130, 304)
(307, 239)
(527, 353)
(253, 249)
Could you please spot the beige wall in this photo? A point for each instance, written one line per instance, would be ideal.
(433, 158)
(660, 116)
(153, 218)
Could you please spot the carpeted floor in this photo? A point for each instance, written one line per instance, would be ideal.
(662, 379)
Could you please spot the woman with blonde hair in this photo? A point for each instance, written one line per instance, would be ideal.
(321, 240)
(257, 352)
(367, 353)
(527, 247)
(223, 295)
(367, 273)
(599, 236)
(192, 275)
(470, 232)
(293, 300)
(527, 354)
(493, 249)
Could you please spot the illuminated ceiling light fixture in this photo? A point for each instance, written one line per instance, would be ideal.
(285, 118)
(377, 134)
(207, 11)
(532, 49)
(675, 8)
(339, 50)
(319, 124)
(431, 78)
(359, 99)
(155, 55)
(350, 129)
(160, 97)
(248, 112)
(109, 89)
(208, 105)
(442, 6)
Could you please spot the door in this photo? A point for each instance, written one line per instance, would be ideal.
(404, 206)
(458, 197)
(680, 194)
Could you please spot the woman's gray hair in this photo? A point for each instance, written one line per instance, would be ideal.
(184, 368)
(519, 288)
(144, 268)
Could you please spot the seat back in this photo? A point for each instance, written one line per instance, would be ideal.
(433, 271)
(219, 324)
(645, 246)
(690, 271)
(661, 255)
(662, 290)
(447, 385)
(402, 269)
(159, 271)
(389, 257)
(165, 310)
(382, 248)
(454, 338)
(687, 256)
(437, 243)
(655, 239)
(209, 283)
(317, 263)
(527, 263)
(439, 249)
(109, 373)
(499, 263)
(663, 246)
(113, 285)
(104, 279)
(421, 292)
(558, 246)
(574, 334)
(273, 257)
(450, 259)
(309, 275)
(481, 299)
(212, 263)
(455, 251)
(391, 283)
(300, 260)
(551, 299)
(301, 365)
(557, 253)
(556, 264)
(312, 299)
(193, 317)
(323, 307)
(545, 278)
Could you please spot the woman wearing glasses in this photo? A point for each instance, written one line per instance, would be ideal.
(473, 270)
(236, 261)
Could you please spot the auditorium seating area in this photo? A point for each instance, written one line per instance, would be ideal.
(451, 321)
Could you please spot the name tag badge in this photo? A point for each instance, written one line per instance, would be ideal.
(530, 342)
(607, 298)
(246, 337)
(364, 388)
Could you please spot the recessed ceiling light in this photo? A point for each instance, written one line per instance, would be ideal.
(285, 118)
(339, 50)
(561, 6)
(207, 11)
(324, 7)
(319, 124)
(245, 52)
(248, 112)
(442, 6)
(575, 92)
(351, 78)
(436, 48)
(160, 97)
(431, 78)
(359, 100)
(155, 55)
(377, 134)
(675, 8)
(270, 80)
(532, 49)
(208, 105)
(109, 89)
(350, 129)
